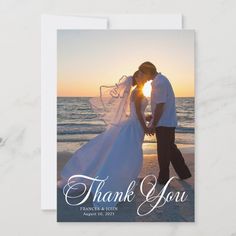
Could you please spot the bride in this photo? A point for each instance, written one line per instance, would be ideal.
(117, 152)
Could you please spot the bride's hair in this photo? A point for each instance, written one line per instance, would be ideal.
(134, 76)
(148, 68)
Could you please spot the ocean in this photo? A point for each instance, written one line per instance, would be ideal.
(77, 124)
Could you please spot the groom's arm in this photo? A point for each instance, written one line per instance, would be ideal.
(160, 98)
(157, 113)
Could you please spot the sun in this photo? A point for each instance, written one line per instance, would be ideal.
(147, 88)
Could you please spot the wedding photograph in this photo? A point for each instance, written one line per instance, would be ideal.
(125, 126)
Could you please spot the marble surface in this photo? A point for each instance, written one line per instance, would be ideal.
(214, 22)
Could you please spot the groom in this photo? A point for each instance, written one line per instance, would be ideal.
(163, 123)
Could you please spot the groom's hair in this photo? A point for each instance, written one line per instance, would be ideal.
(148, 68)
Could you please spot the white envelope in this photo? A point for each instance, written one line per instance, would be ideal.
(50, 25)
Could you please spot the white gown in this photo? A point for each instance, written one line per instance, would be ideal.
(116, 153)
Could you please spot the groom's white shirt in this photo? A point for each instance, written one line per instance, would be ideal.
(162, 92)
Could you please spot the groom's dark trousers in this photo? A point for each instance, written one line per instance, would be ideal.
(169, 153)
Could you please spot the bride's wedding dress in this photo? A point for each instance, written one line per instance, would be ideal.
(115, 153)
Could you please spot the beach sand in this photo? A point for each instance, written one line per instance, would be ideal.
(170, 212)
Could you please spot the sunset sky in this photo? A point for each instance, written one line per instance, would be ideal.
(90, 58)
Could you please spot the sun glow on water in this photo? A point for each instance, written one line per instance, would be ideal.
(147, 88)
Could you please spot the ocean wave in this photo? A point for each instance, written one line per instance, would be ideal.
(184, 130)
(72, 140)
(75, 132)
(145, 141)
(80, 124)
(96, 129)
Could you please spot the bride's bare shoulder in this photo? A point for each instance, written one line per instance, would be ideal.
(136, 94)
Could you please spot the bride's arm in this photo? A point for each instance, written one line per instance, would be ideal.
(138, 102)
